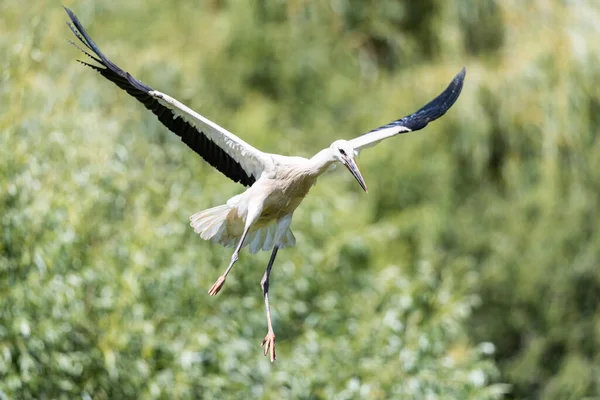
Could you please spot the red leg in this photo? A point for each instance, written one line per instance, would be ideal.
(269, 340)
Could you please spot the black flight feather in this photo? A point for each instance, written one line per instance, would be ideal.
(432, 110)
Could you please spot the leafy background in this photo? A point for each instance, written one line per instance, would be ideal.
(470, 270)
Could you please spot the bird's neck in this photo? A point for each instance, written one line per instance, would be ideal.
(321, 162)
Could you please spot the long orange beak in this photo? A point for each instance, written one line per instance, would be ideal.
(353, 168)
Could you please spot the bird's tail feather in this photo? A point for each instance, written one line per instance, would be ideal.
(213, 225)
(210, 223)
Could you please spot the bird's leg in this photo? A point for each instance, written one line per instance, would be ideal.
(269, 340)
(252, 217)
(216, 287)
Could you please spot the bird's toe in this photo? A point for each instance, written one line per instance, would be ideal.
(269, 344)
(216, 287)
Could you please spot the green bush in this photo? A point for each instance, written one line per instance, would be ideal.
(468, 271)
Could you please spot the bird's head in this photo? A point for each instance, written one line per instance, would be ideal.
(344, 152)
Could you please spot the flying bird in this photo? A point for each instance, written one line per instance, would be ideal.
(259, 217)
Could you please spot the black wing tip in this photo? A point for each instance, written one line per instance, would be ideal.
(72, 17)
(442, 103)
(449, 96)
(437, 107)
(459, 81)
(112, 71)
(83, 36)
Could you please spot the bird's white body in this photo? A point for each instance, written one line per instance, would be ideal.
(260, 217)
(275, 196)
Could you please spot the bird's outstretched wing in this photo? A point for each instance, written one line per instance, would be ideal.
(419, 120)
(235, 158)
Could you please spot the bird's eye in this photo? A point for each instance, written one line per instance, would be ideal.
(342, 152)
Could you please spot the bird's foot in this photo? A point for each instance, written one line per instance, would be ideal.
(269, 345)
(216, 287)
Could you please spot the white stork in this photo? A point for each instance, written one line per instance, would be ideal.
(259, 217)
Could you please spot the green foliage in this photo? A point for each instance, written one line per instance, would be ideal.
(470, 265)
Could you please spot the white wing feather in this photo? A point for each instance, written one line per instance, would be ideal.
(252, 160)
(374, 137)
